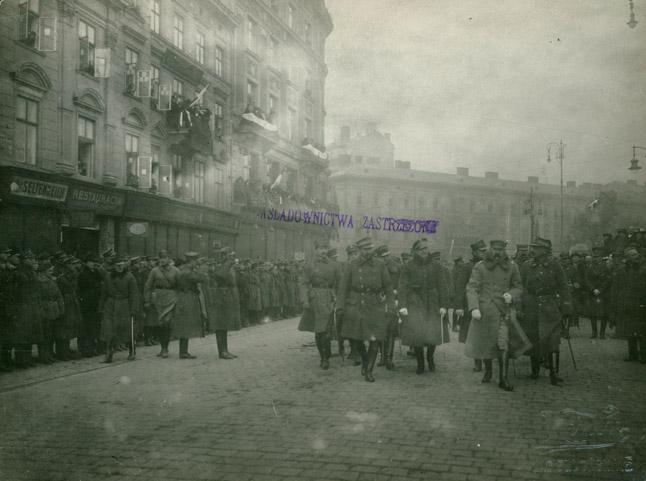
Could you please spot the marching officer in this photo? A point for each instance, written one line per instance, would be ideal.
(189, 311)
(227, 300)
(160, 299)
(387, 348)
(546, 300)
(319, 281)
(598, 281)
(494, 285)
(352, 252)
(424, 299)
(358, 300)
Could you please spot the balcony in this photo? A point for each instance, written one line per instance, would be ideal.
(257, 129)
(314, 154)
(190, 129)
(256, 195)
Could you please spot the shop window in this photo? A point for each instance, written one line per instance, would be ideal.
(26, 135)
(178, 32)
(86, 140)
(155, 15)
(375, 199)
(132, 61)
(87, 38)
(199, 182)
(132, 152)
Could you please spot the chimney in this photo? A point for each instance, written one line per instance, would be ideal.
(463, 171)
(345, 134)
(532, 179)
(571, 183)
(631, 182)
(491, 175)
(387, 135)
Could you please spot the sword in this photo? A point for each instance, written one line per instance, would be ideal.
(132, 337)
(569, 343)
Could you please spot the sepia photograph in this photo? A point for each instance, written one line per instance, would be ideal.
(306, 240)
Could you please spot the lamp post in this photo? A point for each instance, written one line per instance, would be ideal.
(634, 163)
(632, 23)
(560, 156)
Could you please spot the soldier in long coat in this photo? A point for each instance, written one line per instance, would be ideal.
(387, 348)
(255, 295)
(160, 299)
(189, 311)
(227, 300)
(494, 285)
(460, 304)
(352, 252)
(598, 282)
(118, 305)
(7, 304)
(576, 283)
(68, 326)
(53, 308)
(319, 281)
(366, 316)
(90, 282)
(242, 281)
(546, 300)
(629, 304)
(423, 301)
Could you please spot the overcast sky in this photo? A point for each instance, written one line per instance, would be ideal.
(487, 85)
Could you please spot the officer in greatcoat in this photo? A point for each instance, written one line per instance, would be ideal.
(90, 281)
(189, 312)
(160, 299)
(629, 304)
(423, 301)
(598, 282)
(227, 300)
(53, 307)
(352, 253)
(493, 287)
(387, 348)
(546, 303)
(366, 316)
(69, 325)
(319, 281)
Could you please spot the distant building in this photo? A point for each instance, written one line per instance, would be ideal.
(370, 148)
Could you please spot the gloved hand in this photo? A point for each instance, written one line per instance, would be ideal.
(403, 312)
(507, 297)
(596, 292)
(442, 312)
(476, 314)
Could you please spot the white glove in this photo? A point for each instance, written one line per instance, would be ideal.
(476, 314)
(442, 312)
(507, 297)
(459, 312)
(596, 292)
(403, 312)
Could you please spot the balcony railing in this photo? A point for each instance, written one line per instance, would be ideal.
(254, 194)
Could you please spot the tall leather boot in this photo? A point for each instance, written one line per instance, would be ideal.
(554, 377)
(488, 364)
(318, 337)
(503, 363)
(390, 351)
(326, 343)
(363, 355)
(593, 324)
(430, 352)
(108, 354)
(632, 350)
(226, 344)
(557, 365)
(419, 355)
(382, 353)
(602, 331)
(477, 365)
(132, 351)
(183, 350)
(358, 359)
(373, 352)
(221, 336)
(536, 366)
(164, 340)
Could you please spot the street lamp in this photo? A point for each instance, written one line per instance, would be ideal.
(632, 23)
(634, 163)
(561, 156)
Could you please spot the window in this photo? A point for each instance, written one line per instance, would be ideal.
(309, 132)
(308, 33)
(219, 187)
(85, 159)
(132, 151)
(155, 15)
(291, 124)
(290, 16)
(246, 168)
(218, 121)
(132, 60)
(87, 37)
(199, 47)
(273, 107)
(219, 61)
(178, 87)
(29, 22)
(252, 92)
(252, 35)
(199, 182)
(359, 198)
(26, 135)
(156, 162)
(373, 160)
(178, 32)
(273, 53)
(154, 86)
(421, 202)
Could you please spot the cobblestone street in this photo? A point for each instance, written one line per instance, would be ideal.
(272, 414)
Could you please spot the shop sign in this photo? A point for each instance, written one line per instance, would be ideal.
(137, 229)
(96, 199)
(37, 189)
(81, 218)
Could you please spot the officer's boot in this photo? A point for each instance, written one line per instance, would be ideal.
(536, 366)
(477, 365)
(430, 352)
(5, 358)
(488, 364)
(164, 340)
(49, 349)
(632, 350)
(226, 344)
(108, 354)
(223, 347)
(503, 363)
(593, 324)
(390, 351)
(361, 352)
(419, 355)
(358, 349)
(326, 349)
(373, 352)
(186, 354)
(554, 378)
(341, 345)
(351, 353)
(382, 353)
(318, 337)
(557, 365)
(602, 332)
(132, 351)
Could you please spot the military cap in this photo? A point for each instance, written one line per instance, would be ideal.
(382, 251)
(332, 252)
(607, 234)
(458, 259)
(42, 256)
(575, 253)
(564, 255)
(405, 255)
(478, 246)
(227, 251)
(622, 229)
(5, 249)
(120, 259)
(319, 243)
(351, 249)
(628, 250)
(90, 258)
(597, 251)
(501, 244)
(164, 253)
(109, 253)
(28, 254)
(75, 260)
(58, 256)
(364, 243)
(642, 230)
(420, 244)
(436, 255)
(135, 259)
(540, 242)
(521, 247)
(192, 255)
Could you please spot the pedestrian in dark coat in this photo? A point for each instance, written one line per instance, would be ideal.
(319, 281)
(598, 281)
(227, 301)
(53, 308)
(629, 304)
(366, 316)
(493, 287)
(118, 305)
(546, 301)
(189, 312)
(90, 282)
(423, 302)
(27, 320)
(68, 326)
